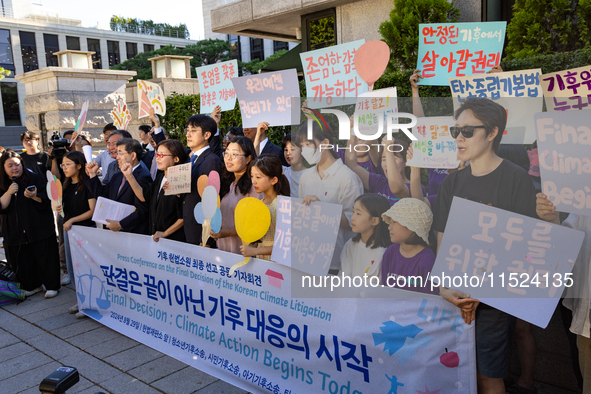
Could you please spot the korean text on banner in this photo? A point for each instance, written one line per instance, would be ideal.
(215, 86)
(567, 89)
(564, 153)
(523, 263)
(519, 92)
(267, 97)
(179, 179)
(247, 329)
(331, 76)
(282, 244)
(435, 147)
(374, 104)
(451, 50)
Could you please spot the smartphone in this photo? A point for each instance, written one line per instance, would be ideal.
(31, 188)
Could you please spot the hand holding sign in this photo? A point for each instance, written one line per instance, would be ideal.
(371, 61)
(252, 219)
(150, 95)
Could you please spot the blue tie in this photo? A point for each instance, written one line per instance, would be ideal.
(193, 159)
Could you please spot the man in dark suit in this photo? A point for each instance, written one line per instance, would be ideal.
(265, 146)
(199, 130)
(118, 189)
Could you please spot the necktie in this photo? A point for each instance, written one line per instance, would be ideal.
(193, 159)
(122, 183)
(153, 168)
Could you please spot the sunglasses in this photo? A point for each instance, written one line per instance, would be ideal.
(467, 131)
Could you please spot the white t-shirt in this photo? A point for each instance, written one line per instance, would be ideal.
(357, 259)
(340, 185)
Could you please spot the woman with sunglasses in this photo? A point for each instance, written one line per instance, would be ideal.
(236, 184)
(166, 212)
(490, 180)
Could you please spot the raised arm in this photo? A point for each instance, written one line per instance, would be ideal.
(395, 180)
(263, 126)
(417, 106)
(135, 186)
(351, 162)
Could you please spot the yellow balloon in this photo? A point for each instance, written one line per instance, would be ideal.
(252, 219)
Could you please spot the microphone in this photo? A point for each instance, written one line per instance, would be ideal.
(14, 181)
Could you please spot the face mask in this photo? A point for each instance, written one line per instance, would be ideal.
(311, 155)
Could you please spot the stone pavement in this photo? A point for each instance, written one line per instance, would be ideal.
(38, 336)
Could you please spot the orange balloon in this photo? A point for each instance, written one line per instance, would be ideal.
(202, 184)
(371, 60)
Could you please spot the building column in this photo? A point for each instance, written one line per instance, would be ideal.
(15, 39)
(122, 51)
(104, 54)
(84, 44)
(269, 50)
(63, 44)
(40, 44)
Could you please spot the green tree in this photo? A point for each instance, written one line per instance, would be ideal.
(401, 31)
(256, 65)
(203, 52)
(133, 25)
(4, 73)
(548, 26)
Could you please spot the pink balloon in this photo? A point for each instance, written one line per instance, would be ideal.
(214, 180)
(371, 60)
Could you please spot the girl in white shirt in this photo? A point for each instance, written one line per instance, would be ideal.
(363, 253)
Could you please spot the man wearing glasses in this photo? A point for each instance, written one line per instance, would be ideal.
(199, 130)
(490, 180)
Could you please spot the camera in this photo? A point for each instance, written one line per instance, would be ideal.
(59, 145)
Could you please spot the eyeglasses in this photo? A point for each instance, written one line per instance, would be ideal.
(467, 131)
(232, 156)
(194, 130)
(30, 139)
(64, 165)
(160, 155)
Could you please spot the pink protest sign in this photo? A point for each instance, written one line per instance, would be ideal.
(567, 89)
(450, 50)
(267, 97)
(215, 86)
(331, 75)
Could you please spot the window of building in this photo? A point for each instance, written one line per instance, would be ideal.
(148, 48)
(497, 10)
(73, 43)
(113, 52)
(6, 58)
(320, 29)
(12, 115)
(280, 45)
(257, 51)
(94, 45)
(131, 49)
(51, 46)
(235, 49)
(29, 51)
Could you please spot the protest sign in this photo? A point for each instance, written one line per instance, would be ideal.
(150, 95)
(435, 147)
(282, 244)
(564, 154)
(179, 179)
(451, 50)
(519, 92)
(374, 104)
(247, 330)
(54, 191)
(207, 211)
(120, 115)
(215, 86)
(567, 89)
(505, 259)
(371, 61)
(267, 97)
(331, 75)
(110, 209)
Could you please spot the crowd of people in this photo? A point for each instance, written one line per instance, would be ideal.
(391, 224)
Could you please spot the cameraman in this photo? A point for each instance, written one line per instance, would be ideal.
(35, 159)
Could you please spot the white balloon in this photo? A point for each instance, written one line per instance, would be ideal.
(209, 201)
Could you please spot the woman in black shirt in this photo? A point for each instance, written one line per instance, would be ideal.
(28, 227)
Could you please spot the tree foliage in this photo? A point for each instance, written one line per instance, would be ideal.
(134, 25)
(322, 33)
(204, 52)
(401, 31)
(548, 26)
(256, 65)
(4, 73)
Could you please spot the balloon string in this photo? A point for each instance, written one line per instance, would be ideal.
(238, 265)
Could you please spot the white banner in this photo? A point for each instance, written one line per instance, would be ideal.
(247, 329)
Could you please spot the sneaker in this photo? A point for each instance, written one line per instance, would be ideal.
(73, 309)
(29, 293)
(50, 293)
(80, 315)
(65, 279)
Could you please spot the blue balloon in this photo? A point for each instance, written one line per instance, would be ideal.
(216, 221)
(198, 213)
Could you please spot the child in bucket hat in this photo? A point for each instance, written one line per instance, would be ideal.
(408, 262)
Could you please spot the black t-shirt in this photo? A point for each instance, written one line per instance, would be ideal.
(37, 163)
(508, 187)
(75, 203)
